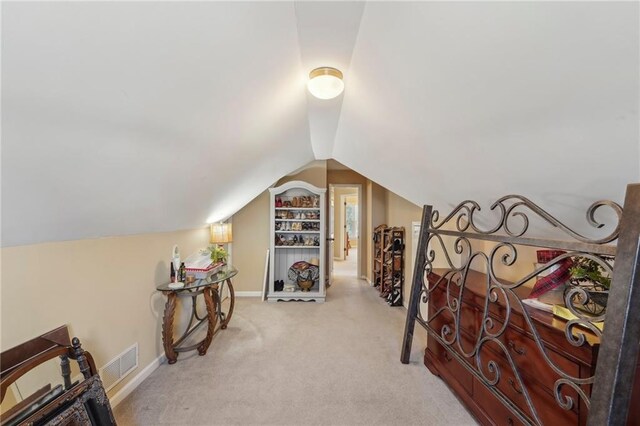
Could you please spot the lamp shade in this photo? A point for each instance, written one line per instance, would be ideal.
(325, 83)
(221, 233)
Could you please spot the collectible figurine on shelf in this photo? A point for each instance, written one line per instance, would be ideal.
(278, 202)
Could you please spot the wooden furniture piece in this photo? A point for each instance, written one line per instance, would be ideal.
(377, 255)
(72, 403)
(219, 299)
(297, 227)
(538, 378)
(388, 263)
(508, 362)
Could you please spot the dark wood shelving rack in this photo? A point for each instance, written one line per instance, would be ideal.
(388, 263)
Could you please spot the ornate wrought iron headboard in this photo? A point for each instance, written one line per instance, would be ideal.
(614, 375)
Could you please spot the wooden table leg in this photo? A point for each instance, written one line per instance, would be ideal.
(167, 327)
(232, 303)
(212, 318)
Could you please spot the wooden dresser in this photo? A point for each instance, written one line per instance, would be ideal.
(537, 376)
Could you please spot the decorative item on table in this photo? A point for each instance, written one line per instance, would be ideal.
(218, 254)
(175, 259)
(546, 256)
(304, 274)
(565, 313)
(221, 233)
(176, 282)
(551, 283)
(182, 273)
(594, 281)
(199, 264)
(556, 275)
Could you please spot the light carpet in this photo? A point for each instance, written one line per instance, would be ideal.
(295, 363)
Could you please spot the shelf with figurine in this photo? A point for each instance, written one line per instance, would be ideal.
(296, 263)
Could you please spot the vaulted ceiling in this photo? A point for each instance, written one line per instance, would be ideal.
(122, 118)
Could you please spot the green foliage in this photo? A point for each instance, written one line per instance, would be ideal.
(585, 270)
(218, 253)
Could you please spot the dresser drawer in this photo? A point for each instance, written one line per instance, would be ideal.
(449, 363)
(543, 401)
(469, 318)
(497, 413)
(529, 358)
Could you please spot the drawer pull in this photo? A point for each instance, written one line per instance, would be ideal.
(447, 356)
(519, 351)
(510, 421)
(513, 386)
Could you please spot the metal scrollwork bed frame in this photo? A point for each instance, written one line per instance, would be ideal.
(614, 375)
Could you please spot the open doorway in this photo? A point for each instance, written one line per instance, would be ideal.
(345, 229)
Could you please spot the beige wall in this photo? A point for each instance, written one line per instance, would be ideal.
(376, 201)
(104, 289)
(314, 173)
(523, 266)
(250, 243)
(251, 237)
(401, 212)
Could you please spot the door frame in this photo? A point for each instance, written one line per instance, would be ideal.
(358, 187)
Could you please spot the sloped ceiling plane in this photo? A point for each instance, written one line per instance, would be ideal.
(124, 118)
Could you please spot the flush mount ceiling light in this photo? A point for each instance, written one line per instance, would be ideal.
(325, 82)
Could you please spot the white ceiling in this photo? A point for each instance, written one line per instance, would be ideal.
(123, 118)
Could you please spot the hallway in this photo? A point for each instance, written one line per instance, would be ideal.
(348, 267)
(301, 363)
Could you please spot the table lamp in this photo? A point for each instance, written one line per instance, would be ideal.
(221, 233)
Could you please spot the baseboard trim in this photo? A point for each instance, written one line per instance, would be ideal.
(248, 294)
(364, 277)
(130, 386)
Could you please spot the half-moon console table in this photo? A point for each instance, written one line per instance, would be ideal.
(219, 299)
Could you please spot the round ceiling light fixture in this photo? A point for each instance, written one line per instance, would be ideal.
(325, 83)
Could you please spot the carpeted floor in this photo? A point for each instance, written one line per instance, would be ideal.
(336, 363)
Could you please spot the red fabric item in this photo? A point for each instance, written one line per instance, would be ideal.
(553, 280)
(545, 256)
